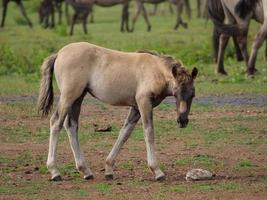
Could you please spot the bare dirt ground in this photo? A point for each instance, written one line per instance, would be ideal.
(227, 139)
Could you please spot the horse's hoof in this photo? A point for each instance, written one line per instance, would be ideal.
(222, 72)
(56, 179)
(89, 177)
(109, 177)
(161, 178)
(185, 26)
(148, 28)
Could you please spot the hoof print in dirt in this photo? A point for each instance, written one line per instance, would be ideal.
(199, 175)
(90, 177)
(56, 179)
(109, 177)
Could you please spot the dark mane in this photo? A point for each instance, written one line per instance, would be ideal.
(245, 7)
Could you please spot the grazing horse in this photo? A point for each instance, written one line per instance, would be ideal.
(141, 9)
(85, 8)
(22, 9)
(47, 9)
(139, 80)
(239, 13)
(257, 8)
(214, 6)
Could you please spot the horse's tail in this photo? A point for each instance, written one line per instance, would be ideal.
(245, 7)
(216, 13)
(46, 95)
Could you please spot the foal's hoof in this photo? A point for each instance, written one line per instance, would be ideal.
(109, 177)
(89, 177)
(161, 178)
(56, 179)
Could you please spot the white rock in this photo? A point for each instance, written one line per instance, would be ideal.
(198, 174)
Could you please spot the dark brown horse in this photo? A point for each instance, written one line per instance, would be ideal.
(142, 10)
(239, 13)
(84, 8)
(22, 9)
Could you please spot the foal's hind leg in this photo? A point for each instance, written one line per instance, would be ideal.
(71, 126)
(56, 123)
(125, 133)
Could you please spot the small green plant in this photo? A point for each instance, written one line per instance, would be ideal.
(102, 187)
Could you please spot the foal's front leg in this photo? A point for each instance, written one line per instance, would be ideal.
(125, 133)
(145, 108)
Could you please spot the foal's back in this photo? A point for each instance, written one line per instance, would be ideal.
(112, 76)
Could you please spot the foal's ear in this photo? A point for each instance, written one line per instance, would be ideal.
(194, 73)
(175, 67)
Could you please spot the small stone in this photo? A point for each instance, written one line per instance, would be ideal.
(198, 175)
(106, 128)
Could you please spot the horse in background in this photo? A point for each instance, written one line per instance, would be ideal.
(239, 13)
(22, 9)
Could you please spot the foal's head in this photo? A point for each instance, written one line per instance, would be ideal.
(184, 92)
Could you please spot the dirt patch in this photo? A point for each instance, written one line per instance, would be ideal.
(231, 143)
(237, 100)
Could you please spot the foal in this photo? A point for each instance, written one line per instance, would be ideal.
(138, 80)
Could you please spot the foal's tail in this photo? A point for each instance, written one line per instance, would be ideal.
(216, 13)
(46, 95)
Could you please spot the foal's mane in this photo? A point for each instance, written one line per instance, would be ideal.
(184, 75)
(169, 60)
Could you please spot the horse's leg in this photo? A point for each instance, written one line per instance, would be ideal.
(266, 50)
(239, 55)
(146, 17)
(126, 19)
(145, 108)
(260, 38)
(67, 12)
(59, 8)
(74, 18)
(122, 18)
(124, 134)
(22, 9)
(222, 45)
(188, 8)
(71, 126)
(170, 8)
(5, 4)
(154, 12)
(56, 123)
(52, 25)
(198, 8)
(138, 12)
(242, 42)
(179, 11)
(215, 44)
(92, 16)
(85, 23)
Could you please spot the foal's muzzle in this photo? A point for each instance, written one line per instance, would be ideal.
(183, 121)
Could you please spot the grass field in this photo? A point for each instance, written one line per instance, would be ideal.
(230, 141)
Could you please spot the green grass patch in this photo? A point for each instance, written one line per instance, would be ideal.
(102, 187)
(200, 161)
